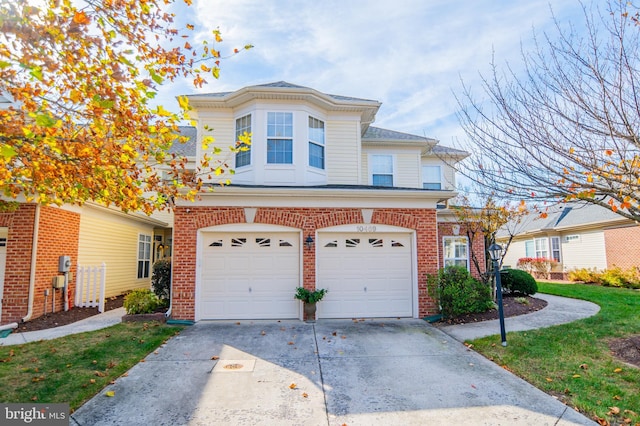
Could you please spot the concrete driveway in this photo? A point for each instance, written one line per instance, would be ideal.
(333, 372)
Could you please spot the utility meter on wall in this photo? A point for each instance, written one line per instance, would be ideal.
(64, 263)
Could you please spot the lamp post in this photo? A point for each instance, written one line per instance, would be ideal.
(495, 251)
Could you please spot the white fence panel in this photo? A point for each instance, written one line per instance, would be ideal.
(90, 283)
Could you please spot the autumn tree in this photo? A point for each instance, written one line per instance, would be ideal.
(567, 127)
(81, 77)
(482, 221)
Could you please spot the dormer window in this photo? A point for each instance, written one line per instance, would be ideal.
(280, 138)
(316, 143)
(382, 170)
(243, 157)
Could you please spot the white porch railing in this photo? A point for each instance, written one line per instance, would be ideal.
(90, 282)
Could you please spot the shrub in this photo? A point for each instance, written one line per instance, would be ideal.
(518, 282)
(308, 296)
(161, 279)
(458, 292)
(141, 302)
(586, 275)
(539, 265)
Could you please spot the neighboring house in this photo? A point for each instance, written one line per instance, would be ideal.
(33, 237)
(576, 235)
(321, 199)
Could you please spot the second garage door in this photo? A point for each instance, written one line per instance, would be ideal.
(367, 275)
(249, 275)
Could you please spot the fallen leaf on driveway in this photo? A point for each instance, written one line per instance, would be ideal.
(305, 395)
(215, 357)
(292, 386)
(110, 393)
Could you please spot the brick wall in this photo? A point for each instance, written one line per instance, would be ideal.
(57, 235)
(623, 247)
(308, 220)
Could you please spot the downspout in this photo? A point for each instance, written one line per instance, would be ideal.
(34, 252)
(168, 313)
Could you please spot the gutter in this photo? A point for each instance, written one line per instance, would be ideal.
(34, 252)
(168, 313)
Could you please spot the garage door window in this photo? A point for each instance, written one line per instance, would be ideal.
(456, 252)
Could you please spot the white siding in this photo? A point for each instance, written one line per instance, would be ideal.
(515, 251)
(408, 172)
(113, 239)
(588, 252)
(341, 152)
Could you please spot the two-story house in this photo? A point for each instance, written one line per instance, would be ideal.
(321, 198)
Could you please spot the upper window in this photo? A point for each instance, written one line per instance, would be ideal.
(382, 170)
(144, 255)
(243, 157)
(456, 251)
(431, 177)
(316, 143)
(279, 138)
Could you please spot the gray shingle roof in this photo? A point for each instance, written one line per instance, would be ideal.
(376, 133)
(574, 214)
(189, 148)
(282, 85)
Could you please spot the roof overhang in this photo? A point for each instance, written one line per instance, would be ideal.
(230, 196)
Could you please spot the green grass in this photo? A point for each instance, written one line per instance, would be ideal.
(573, 361)
(74, 368)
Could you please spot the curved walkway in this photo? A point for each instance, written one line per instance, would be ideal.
(559, 310)
(96, 322)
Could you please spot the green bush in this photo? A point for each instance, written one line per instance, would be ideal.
(308, 296)
(518, 282)
(161, 279)
(459, 293)
(141, 302)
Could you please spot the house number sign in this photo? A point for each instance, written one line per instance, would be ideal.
(366, 228)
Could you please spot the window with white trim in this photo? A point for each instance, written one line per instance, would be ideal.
(316, 143)
(529, 249)
(144, 255)
(382, 170)
(541, 247)
(280, 138)
(243, 157)
(555, 248)
(431, 177)
(456, 251)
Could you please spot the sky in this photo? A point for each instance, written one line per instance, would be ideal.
(411, 55)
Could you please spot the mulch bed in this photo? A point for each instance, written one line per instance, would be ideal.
(57, 319)
(627, 349)
(511, 308)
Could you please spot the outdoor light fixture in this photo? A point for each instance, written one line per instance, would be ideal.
(308, 242)
(495, 251)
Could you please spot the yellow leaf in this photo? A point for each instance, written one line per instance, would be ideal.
(292, 386)
(110, 393)
(617, 370)
(576, 376)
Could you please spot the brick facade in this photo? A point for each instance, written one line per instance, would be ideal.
(189, 220)
(58, 234)
(623, 247)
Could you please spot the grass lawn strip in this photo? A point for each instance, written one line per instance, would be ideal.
(573, 361)
(75, 368)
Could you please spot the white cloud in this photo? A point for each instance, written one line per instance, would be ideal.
(409, 54)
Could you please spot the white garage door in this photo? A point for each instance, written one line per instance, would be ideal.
(367, 275)
(249, 275)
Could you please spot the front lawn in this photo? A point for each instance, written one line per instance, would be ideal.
(573, 361)
(74, 368)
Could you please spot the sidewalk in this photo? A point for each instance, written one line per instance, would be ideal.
(96, 322)
(559, 310)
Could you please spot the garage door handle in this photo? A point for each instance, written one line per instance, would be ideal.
(249, 289)
(365, 289)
